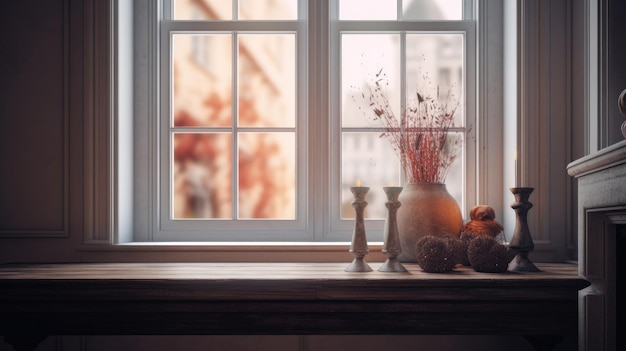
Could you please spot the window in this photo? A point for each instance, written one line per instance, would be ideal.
(415, 47)
(232, 107)
(250, 133)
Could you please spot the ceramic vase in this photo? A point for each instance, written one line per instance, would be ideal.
(427, 209)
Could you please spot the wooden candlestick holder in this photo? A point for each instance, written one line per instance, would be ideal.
(359, 247)
(522, 242)
(392, 247)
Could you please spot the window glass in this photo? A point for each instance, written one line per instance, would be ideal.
(268, 10)
(267, 180)
(267, 82)
(202, 186)
(421, 10)
(232, 129)
(203, 10)
(369, 159)
(247, 10)
(202, 80)
(368, 9)
(432, 67)
(433, 10)
(362, 57)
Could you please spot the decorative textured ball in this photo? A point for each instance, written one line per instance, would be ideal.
(464, 240)
(485, 254)
(438, 254)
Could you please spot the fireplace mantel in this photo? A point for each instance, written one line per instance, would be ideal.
(601, 209)
(604, 159)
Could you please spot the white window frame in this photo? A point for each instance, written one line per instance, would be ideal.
(318, 224)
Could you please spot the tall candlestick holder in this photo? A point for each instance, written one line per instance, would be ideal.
(392, 247)
(358, 247)
(522, 242)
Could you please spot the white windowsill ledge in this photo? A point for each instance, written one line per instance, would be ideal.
(226, 252)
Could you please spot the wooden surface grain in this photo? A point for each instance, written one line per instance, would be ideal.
(259, 271)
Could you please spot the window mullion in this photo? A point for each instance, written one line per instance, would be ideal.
(318, 118)
(469, 11)
(399, 10)
(403, 87)
(234, 120)
(168, 9)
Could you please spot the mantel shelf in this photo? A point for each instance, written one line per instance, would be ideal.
(609, 157)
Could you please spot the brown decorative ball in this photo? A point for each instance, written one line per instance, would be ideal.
(485, 254)
(438, 254)
(464, 240)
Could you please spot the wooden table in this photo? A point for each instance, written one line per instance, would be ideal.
(282, 298)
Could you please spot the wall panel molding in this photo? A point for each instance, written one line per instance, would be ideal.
(98, 108)
(544, 126)
(50, 217)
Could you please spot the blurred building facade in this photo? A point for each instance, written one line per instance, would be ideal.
(206, 183)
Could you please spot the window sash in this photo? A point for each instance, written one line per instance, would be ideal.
(169, 229)
(339, 226)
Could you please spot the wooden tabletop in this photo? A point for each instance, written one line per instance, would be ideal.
(284, 298)
(259, 271)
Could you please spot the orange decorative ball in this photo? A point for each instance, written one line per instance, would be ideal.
(482, 222)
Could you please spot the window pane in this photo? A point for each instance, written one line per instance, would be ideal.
(455, 180)
(203, 10)
(267, 93)
(248, 10)
(202, 80)
(362, 57)
(268, 9)
(202, 175)
(368, 9)
(267, 181)
(368, 158)
(434, 64)
(432, 9)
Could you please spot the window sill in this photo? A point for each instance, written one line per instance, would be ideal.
(226, 252)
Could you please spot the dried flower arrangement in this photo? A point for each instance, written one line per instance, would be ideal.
(420, 136)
